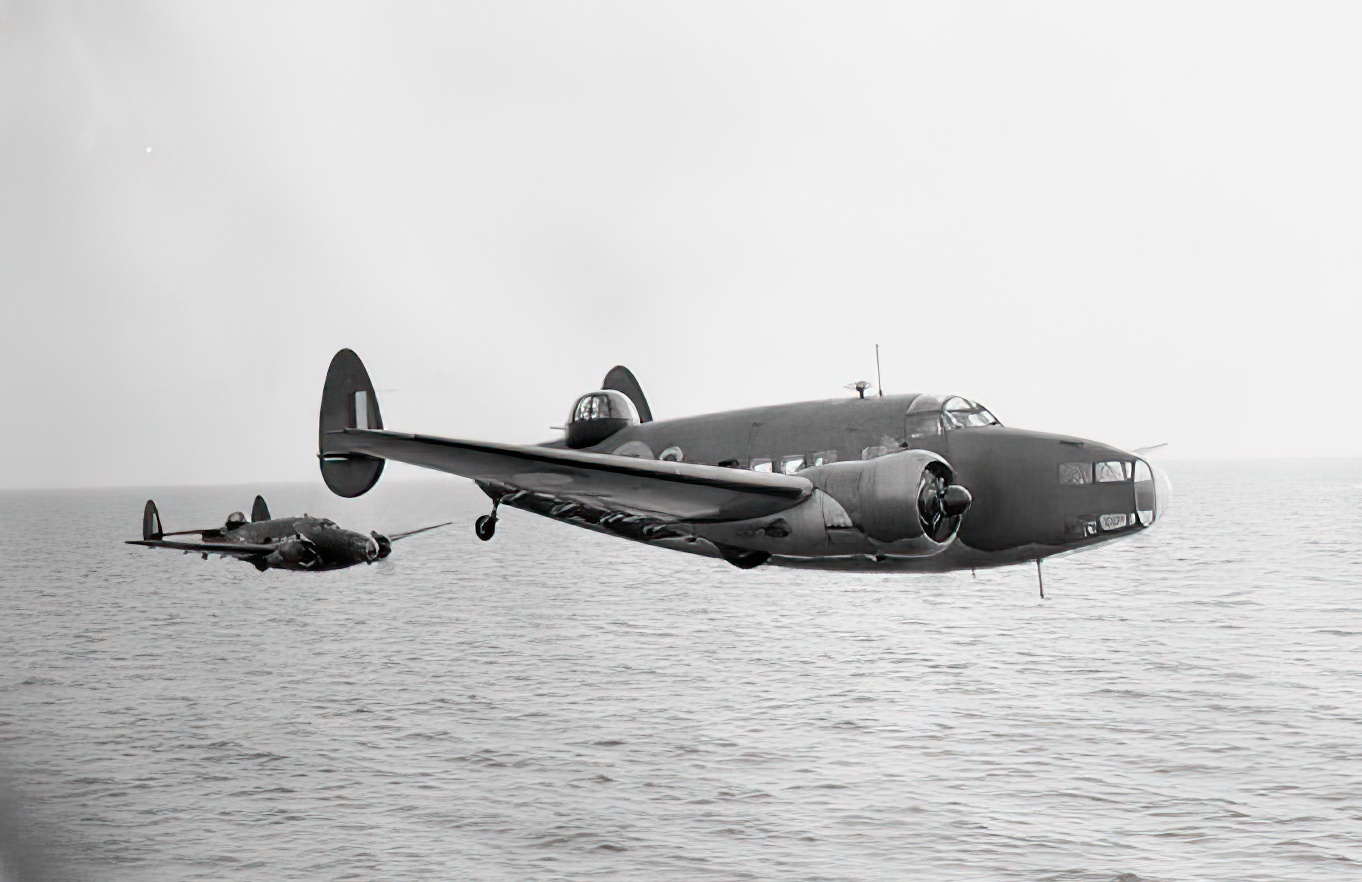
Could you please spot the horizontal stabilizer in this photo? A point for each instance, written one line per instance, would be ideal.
(348, 402)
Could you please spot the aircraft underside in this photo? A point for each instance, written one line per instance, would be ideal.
(686, 538)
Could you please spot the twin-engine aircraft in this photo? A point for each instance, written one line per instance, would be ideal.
(305, 543)
(885, 484)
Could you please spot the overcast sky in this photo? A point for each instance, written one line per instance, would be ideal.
(1131, 222)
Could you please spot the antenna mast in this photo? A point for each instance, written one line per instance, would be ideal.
(879, 378)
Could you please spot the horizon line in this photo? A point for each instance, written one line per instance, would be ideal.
(425, 476)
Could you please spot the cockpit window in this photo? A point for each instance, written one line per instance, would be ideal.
(924, 417)
(791, 464)
(1116, 470)
(960, 413)
(326, 522)
(1075, 473)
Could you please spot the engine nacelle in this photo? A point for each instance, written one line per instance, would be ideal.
(901, 505)
(898, 498)
(598, 415)
(296, 553)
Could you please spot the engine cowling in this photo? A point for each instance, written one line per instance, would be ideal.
(296, 553)
(906, 503)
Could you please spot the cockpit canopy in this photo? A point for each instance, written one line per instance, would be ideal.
(961, 413)
(934, 414)
(598, 415)
(236, 519)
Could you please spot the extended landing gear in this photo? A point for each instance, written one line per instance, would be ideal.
(486, 526)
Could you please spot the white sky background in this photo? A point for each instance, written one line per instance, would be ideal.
(1130, 222)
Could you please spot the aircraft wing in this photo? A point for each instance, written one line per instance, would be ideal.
(237, 549)
(675, 491)
(393, 537)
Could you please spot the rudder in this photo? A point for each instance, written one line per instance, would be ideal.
(348, 402)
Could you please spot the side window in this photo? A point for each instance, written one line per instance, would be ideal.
(923, 425)
(761, 465)
(873, 452)
(791, 464)
(1116, 470)
(823, 457)
(1075, 473)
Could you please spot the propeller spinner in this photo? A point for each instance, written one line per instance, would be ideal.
(940, 504)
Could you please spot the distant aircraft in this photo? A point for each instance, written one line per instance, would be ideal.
(885, 483)
(305, 543)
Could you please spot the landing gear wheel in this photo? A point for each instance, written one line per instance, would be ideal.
(485, 527)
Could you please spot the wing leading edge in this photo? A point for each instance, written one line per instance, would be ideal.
(237, 549)
(677, 491)
(393, 537)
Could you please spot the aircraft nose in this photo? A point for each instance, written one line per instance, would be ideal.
(1153, 491)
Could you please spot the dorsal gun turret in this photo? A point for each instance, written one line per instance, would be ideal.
(598, 415)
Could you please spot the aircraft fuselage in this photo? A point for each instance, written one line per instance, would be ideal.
(1035, 494)
(321, 545)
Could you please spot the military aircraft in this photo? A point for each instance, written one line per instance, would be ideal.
(884, 483)
(305, 543)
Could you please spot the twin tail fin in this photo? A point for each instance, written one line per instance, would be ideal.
(621, 379)
(151, 522)
(348, 402)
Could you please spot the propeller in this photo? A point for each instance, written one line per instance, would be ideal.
(301, 551)
(371, 551)
(939, 502)
(385, 545)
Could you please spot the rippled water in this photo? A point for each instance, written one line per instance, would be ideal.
(559, 705)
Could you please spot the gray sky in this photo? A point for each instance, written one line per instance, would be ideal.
(1132, 222)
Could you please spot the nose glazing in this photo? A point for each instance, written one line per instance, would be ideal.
(1153, 492)
(1163, 491)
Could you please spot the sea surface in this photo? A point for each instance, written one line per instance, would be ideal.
(1185, 705)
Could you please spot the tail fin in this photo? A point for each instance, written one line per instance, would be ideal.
(348, 402)
(621, 379)
(151, 522)
(260, 511)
